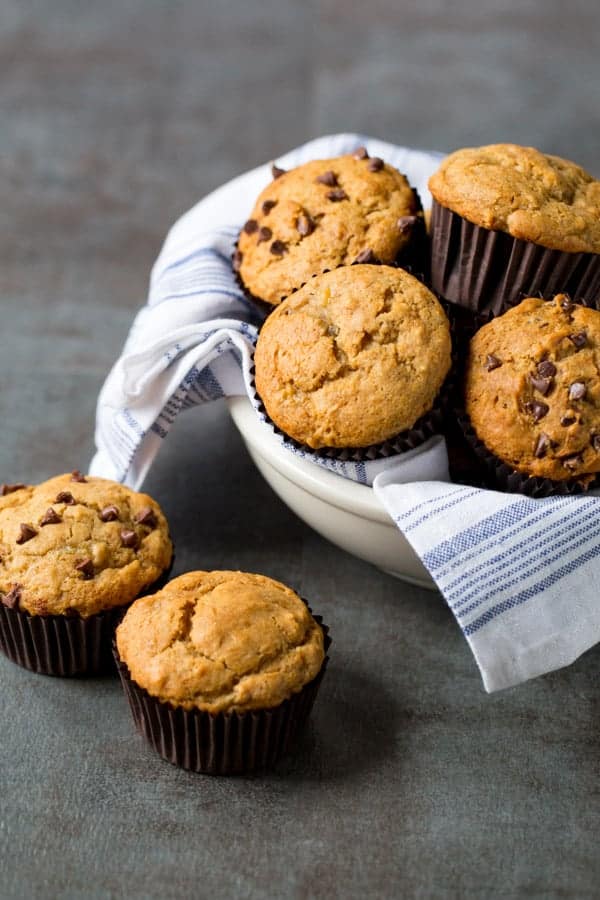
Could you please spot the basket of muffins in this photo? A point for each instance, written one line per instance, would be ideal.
(380, 333)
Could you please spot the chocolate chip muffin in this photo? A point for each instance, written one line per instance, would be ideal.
(532, 389)
(355, 357)
(72, 550)
(220, 668)
(324, 214)
(508, 221)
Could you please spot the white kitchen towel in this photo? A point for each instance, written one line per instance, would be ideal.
(520, 575)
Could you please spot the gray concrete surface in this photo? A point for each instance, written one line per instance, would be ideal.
(410, 782)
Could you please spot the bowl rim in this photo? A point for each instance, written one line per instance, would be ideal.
(348, 495)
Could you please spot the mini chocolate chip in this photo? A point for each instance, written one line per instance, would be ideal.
(65, 497)
(537, 409)
(26, 532)
(11, 488)
(51, 517)
(11, 600)
(595, 441)
(572, 462)
(265, 234)
(77, 476)
(251, 226)
(375, 164)
(492, 362)
(405, 223)
(541, 445)
(577, 391)
(304, 224)
(366, 256)
(329, 178)
(568, 420)
(361, 153)
(542, 385)
(86, 566)
(109, 514)
(546, 368)
(236, 260)
(278, 248)
(565, 302)
(337, 195)
(579, 339)
(129, 538)
(147, 516)
(276, 172)
(268, 206)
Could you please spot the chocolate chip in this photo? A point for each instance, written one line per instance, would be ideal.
(537, 409)
(361, 153)
(11, 488)
(565, 302)
(375, 164)
(265, 234)
(572, 462)
(579, 339)
(304, 224)
(492, 362)
(268, 206)
(276, 172)
(86, 566)
(337, 195)
(11, 600)
(278, 248)
(236, 260)
(65, 497)
(129, 538)
(405, 223)
(542, 385)
(51, 517)
(577, 391)
(329, 178)
(146, 517)
(541, 445)
(546, 368)
(109, 514)
(251, 226)
(595, 441)
(26, 532)
(77, 476)
(568, 420)
(366, 256)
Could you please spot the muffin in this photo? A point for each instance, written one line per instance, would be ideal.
(354, 358)
(510, 222)
(324, 214)
(532, 393)
(74, 551)
(221, 669)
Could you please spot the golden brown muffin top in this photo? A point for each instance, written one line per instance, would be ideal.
(353, 358)
(77, 544)
(321, 215)
(221, 641)
(532, 388)
(530, 195)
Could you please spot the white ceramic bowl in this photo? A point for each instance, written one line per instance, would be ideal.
(346, 513)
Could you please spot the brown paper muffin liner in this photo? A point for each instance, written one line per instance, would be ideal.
(64, 645)
(500, 476)
(223, 743)
(484, 270)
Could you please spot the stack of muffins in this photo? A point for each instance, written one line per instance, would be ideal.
(355, 354)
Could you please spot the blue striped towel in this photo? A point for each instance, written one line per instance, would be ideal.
(519, 574)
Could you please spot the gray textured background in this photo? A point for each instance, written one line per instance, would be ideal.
(411, 782)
